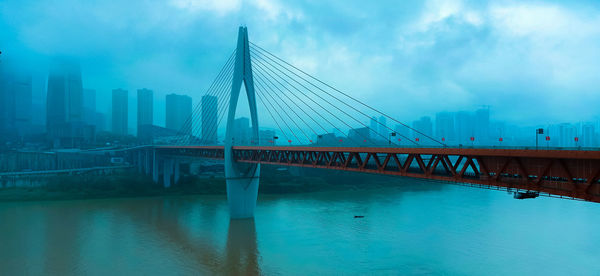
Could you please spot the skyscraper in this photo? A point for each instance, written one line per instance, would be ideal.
(424, 126)
(444, 126)
(482, 125)
(383, 130)
(64, 112)
(464, 127)
(209, 119)
(119, 112)
(374, 128)
(145, 112)
(65, 94)
(15, 102)
(179, 111)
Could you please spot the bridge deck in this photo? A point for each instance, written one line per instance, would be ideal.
(569, 173)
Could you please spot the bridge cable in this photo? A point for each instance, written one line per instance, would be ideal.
(189, 120)
(221, 102)
(272, 117)
(344, 122)
(260, 74)
(259, 90)
(356, 100)
(259, 70)
(270, 89)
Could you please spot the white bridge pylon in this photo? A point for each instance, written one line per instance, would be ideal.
(242, 179)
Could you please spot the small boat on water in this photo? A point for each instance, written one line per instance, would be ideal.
(359, 216)
(524, 195)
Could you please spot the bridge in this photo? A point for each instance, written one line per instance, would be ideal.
(310, 115)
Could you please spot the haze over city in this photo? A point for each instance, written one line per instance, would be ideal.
(270, 137)
(530, 62)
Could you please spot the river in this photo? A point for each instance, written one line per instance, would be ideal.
(420, 228)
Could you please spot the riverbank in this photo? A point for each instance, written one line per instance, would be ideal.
(274, 180)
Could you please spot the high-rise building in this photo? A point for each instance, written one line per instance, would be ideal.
(64, 106)
(374, 129)
(464, 127)
(482, 125)
(567, 134)
(119, 112)
(444, 127)
(65, 94)
(15, 103)
(241, 131)
(588, 135)
(383, 130)
(145, 113)
(209, 119)
(424, 127)
(178, 113)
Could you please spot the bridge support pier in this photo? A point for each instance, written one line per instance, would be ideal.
(167, 172)
(154, 167)
(176, 172)
(242, 179)
(242, 192)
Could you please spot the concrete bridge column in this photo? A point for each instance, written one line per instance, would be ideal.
(154, 167)
(176, 172)
(167, 172)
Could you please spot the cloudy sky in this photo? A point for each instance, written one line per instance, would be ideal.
(531, 61)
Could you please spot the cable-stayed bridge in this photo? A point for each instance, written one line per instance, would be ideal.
(323, 127)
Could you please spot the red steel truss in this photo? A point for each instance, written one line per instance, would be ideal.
(569, 173)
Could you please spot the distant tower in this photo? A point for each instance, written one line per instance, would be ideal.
(383, 131)
(64, 105)
(374, 129)
(145, 112)
(209, 119)
(65, 94)
(119, 112)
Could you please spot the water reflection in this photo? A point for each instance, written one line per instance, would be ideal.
(241, 251)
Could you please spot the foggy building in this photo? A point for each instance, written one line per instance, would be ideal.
(209, 119)
(241, 131)
(444, 126)
(482, 125)
(15, 103)
(64, 106)
(402, 134)
(178, 113)
(359, 135)
(425, 126)
(266, 138)
(464, 127)
(588, 135)
(374, 129)
(383, 130)
(567, 134)
(119, 112)
(145, 113)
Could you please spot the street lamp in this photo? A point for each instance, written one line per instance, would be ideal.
(390, 137)
(275, 139)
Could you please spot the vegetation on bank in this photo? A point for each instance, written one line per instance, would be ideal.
(274, 180)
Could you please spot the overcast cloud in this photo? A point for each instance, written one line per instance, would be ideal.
(531, 61)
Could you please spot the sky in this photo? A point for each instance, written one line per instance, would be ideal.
(532, 62)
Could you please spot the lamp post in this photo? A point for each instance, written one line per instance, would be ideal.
(275, 139)
(390, 137)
